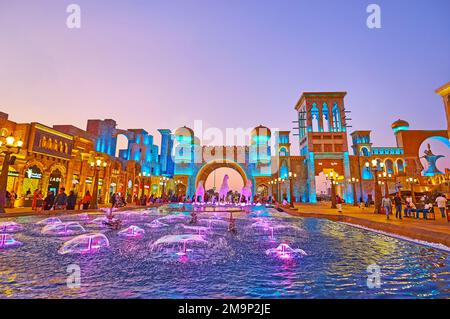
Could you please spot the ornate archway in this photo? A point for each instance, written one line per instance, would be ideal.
(209, 167)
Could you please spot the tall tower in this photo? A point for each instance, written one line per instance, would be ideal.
(444, 91)
(323, 136)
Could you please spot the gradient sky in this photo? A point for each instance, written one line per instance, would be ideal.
(163, 64)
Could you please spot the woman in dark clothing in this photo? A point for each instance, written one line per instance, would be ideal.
(71, 201)
(49, 200)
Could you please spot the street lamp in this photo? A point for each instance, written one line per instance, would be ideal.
(385, 177)
(354, 181)
(376, 167)
(97, 165)
(412, 181)
(177, 183)
(332, 177)
(292, 177)
(163, 181)
(7, 149)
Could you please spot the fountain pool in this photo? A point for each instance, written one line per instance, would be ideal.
(271, 256)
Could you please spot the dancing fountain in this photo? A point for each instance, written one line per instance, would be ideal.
(63, 229)
(49, 221)
(284, 251)
(7, 241)
(84, 244)
(156, 224)
(177, 244)
(10, 227)
(132, 232)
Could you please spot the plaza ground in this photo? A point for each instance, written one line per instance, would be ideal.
(435, 231)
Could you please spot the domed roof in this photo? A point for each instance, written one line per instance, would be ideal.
(184, 135)
(400, 125)
(261, 131)
(196, 140)
(184, 131)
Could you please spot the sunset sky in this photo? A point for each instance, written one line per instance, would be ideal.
(163, 64)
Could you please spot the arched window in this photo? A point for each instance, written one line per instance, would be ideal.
(283, 151)
(364, 151)
(336, 118)
(325, 118)
(400, 166)
(389, 166)
(315, 118)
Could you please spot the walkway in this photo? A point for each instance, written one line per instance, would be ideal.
(437, 231)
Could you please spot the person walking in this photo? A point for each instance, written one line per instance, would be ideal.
(398, 205)
(387, 204)
(71, 201)
(441, 201)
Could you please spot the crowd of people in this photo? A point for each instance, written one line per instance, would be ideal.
(408, 207)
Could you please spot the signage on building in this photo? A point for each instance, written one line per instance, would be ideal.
(29, 173)
(55, 179)
(13, 174)
(52, 142)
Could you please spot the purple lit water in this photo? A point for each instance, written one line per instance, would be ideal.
(232, 266)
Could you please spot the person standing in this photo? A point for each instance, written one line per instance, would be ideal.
(441, 201)
(13, 199)
(39, 202)
(61, 200)
(86, 200)
(49, 200)
(71, 201)
(398, 205)
(387, 204)
(339, 203)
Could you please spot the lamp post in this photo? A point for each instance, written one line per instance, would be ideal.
(163, 181)
(279, 190)
(178, 182)
(412, 181)
(354, 181)
(332, 177)
(7, 148)
(385, 177)
(292, 177)
(97, 165)
(376, 167)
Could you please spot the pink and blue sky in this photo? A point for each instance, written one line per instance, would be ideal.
(163, 64)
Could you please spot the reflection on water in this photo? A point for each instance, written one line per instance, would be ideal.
(221, 264)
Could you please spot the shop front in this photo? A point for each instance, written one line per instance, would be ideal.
(55, 181)
(31, 182)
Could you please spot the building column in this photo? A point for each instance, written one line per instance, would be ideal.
(311, 179)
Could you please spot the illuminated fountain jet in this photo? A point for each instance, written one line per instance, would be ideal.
(175, 218)
(84, 244)
(49, 221)
(177, 243)
(201, 230)
(132, 232)
(156, 224)
(83, 217)
(213, 223)
(284, 251)
(63, 229)
(7, 241)
(10, 227)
